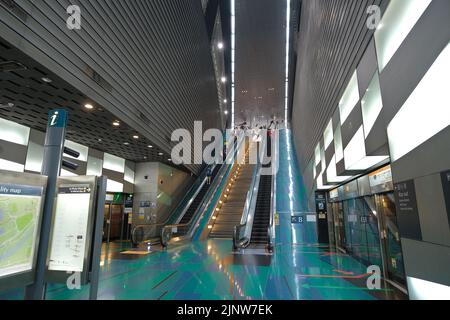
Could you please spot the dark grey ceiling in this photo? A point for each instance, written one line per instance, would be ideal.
(33, 98)
(260, 59)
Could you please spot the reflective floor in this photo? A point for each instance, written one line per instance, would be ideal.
(299, 269)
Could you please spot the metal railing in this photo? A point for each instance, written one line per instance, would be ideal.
(185, 231)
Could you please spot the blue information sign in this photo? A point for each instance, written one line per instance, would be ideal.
(57, 118)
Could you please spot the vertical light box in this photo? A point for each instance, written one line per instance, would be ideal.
(425, 113)
(399, 19)
(350, 98)
(371, 104)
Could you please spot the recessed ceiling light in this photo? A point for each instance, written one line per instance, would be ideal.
(150, 146)
(126, 143)
(46, 80)
(223, 79)
(226, 112)
(89, 106)
(220, 45)
(136, 137)
(160, 154)
(225, 101)
(170, 160)
(116, 123)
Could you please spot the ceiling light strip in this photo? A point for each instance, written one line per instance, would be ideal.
(233, 56)
(288, 34)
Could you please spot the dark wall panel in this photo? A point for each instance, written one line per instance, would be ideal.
(333, 39)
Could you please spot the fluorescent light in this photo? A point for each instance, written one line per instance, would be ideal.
(425, 113)
(399, 19)
(129, 175)
(355, 154)
(89, 106)
(136, 137)
(350, 98)
(116, 123)
(321, 186)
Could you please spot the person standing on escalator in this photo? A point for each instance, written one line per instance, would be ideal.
(209, 173)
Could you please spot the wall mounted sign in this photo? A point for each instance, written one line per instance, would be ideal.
(407, 211)
(381, 180)
(297, 219)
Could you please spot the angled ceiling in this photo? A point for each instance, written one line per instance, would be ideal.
(260, 60)
(33, 98)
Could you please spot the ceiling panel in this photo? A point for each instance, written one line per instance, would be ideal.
(260, 59)
(33, 98)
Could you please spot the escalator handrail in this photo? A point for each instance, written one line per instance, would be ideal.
(273, 195)
(216, 183)
(192, 193)
(250, 204)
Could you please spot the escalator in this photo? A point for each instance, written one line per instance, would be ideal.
(261, 220)
(198, 199)
(231, 211)
(262, 214)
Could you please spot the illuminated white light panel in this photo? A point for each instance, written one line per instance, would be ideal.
(350, 98)
(233, 61)
(328, 135)
(332, 176)
(288, 33)
(399, 19)
(113, 163)
(317, 155)
(14, 132)
(425, 113)
(371, 105)
(426, 290)
(11, 166)
(355, 154)
(338, 144)
(114, 186)
(321, 186)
